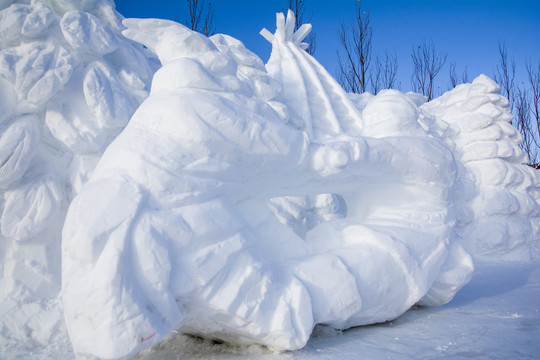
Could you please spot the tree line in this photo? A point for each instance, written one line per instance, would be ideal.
(358, 74)
(524, 101)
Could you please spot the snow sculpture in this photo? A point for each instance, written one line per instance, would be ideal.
(497, 199)
(227, 211)
(238, 194)
(69, 82)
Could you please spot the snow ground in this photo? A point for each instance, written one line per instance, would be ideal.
(495, 316)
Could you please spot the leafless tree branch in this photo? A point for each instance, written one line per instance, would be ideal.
(455, 79)
(506, 73)
(522, 119)
(533, 75)
(355, 40)
(383, 75)
(427, 64)
(201, 17)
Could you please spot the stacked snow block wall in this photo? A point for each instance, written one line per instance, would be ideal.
(69, 82)
(497, 195)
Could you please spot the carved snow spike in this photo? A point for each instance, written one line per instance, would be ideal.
(285, 31)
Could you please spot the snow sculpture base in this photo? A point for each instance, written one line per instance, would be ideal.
(225, 211)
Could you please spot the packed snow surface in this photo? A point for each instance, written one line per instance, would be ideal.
(230, 199)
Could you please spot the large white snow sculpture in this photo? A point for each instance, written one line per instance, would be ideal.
(246, 191)
(184, 221)
(69, 82)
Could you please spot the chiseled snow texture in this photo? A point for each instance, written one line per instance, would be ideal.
(177, 225)
(69, 82)
(497, 198)
(242, 202)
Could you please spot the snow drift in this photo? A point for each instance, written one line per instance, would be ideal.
(241, 201)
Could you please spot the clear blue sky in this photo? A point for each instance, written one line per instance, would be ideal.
(468, 31)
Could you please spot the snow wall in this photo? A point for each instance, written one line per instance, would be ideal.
(69, 82)
(238, 193)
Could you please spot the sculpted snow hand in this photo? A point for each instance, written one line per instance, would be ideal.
(193, 216)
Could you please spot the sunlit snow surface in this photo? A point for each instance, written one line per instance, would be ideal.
(495, 316)
(242, 202)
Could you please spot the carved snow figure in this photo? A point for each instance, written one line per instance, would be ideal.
(69, 82)
(226, 210)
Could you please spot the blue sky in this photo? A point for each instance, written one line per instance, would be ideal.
(467, 31)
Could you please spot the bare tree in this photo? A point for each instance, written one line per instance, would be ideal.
(455, 79)
(297, 6)
(534, 81)
(427, 64)
(201, 17)
(521, 105)
(355, 39)
(533, 75)
(376, 77)
(522, 118)
(524, 102)
(465, 76)
(383, 76)
(506, 73)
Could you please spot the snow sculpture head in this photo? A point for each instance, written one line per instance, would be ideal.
(202, 212)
